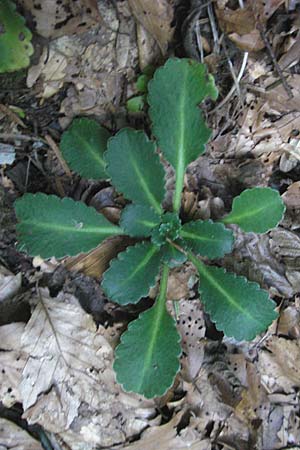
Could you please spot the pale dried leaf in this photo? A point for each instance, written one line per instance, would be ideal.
(14, 438)
(68, 385)
(191, 325)
(279, 365)
(156, 16)
(55, 18)
(180, 282)
(12, 362)
(9, 284)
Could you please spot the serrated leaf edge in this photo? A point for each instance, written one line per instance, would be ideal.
(229, 222)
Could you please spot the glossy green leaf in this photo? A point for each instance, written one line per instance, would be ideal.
(139, 220)
(147, 359)
(257, 210)
(239, 307)
(83, 145)
(171, 256)
(132, 274)
(207, 238)
(15, 39)
(135, 168)
(50, 226)
(174, 95)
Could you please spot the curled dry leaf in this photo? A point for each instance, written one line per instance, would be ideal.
(68, 385)
(54, 18)
(13, 437)
(156, 17)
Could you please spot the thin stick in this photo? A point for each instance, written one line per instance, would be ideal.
(21, 137)
(274, 60)
(58, 154)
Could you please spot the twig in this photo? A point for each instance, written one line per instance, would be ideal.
(21, 137)
(233, 89)
(58, 154)
(274, 60)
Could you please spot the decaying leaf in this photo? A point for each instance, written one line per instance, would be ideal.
(279, 365)
(59, 17)
(15, 438)
(68, 385)
(12, 362)
(156, 17)
(9, 284)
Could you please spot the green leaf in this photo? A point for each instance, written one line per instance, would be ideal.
(136, 104)
(83, 145)
(174, 95)
(257, 210)
(50, 226)
(15, 39)
(147, 359)
(142, 83)
(132, 274)
(239, 307)
(171, 256)
(139, 220)
(207, 238)
(135, 168)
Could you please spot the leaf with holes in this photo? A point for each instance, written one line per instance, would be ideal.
(50, 226)
(206, 238)
(83, 145)
(135, 169)
(239, 307)
(132, 274)
(15, 39)
(257, 210)
(147, 359)
(174, 95)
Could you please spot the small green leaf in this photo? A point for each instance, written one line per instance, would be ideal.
(174, 95)
(239, 307)
(171, 256)
(135, 168)
(83, 145)
(138, 220)
(132, 274)
(15, 39)
(142, 83)
(147, 359)
(168, 229)
(257, 210)
(207, 238)
(50, 226)
(136, 104)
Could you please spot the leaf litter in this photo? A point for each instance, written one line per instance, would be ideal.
(228, 394)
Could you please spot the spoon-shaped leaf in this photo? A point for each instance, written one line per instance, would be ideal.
(132, 274)
(174, 95)
(50, 226)
(257, 210)
(83, 145)
(239, 307)
(15, 39)
(135, 168)
(147, 359)
(207, 238)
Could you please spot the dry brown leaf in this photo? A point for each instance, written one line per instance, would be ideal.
(191, 325)
(277, 97)
(14, 438)
(9, 284)
(12, 362)
(180, 282)
(279, 365)
(166, 437)
(68, 385)
(241, 24)
(156, 17)
(54, 18)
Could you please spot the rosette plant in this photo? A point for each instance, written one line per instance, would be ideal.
(147, 358)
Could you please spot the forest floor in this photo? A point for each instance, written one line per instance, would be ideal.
(228, 394)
